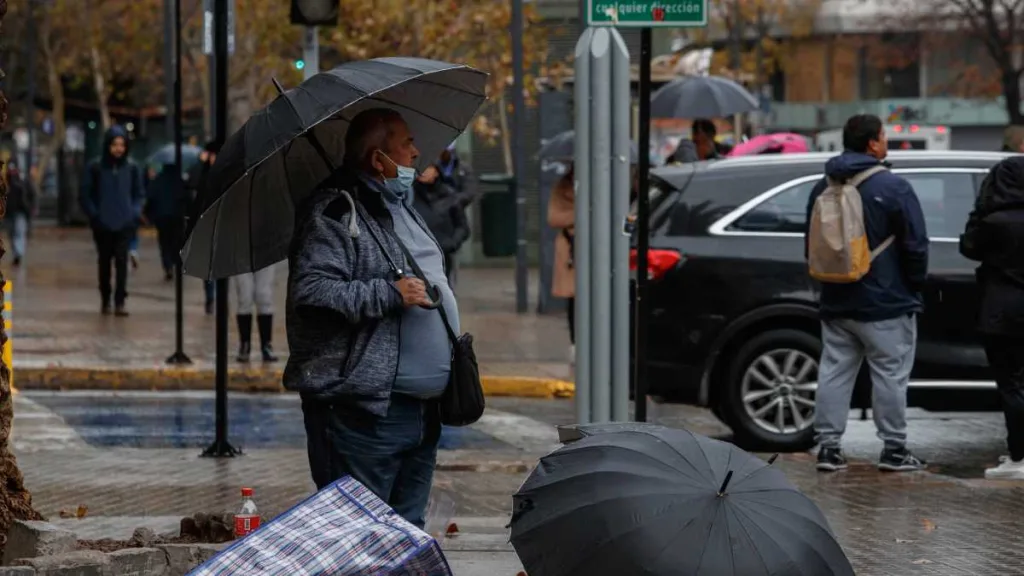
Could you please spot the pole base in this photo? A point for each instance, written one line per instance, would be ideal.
(179, 358)
(220, 449)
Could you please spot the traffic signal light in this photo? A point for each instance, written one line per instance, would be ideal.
(300, 64)
(315, 12)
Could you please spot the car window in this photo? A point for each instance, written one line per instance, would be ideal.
(783, 212)
(946, 200)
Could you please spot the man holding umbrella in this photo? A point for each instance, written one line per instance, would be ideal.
(346, 308)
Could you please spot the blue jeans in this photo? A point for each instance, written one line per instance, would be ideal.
(19, 234)
(394, 456)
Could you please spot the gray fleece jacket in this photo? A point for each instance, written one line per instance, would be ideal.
(343, 310)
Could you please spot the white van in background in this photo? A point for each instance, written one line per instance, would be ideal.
(901, 137)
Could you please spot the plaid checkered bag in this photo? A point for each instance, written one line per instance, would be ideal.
(342, 530)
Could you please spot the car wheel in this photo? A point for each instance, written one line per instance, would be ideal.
(772, 382)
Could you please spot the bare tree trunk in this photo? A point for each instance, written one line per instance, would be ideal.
(506, 138)
(57, 96)
(99, 84)
(15, 500)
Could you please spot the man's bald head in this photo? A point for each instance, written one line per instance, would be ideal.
(379, 130)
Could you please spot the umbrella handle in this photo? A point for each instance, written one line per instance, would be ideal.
(435, 297)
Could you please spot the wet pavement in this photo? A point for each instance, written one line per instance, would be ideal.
(98, 450)
(56, 320)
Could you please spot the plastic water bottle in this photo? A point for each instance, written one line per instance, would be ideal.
(248, 518)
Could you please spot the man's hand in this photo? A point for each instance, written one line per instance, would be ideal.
(414, 292)
(428, 175)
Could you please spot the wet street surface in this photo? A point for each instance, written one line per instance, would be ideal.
(132, 459)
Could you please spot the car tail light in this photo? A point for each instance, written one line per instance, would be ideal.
(659, 262)
(940, 129)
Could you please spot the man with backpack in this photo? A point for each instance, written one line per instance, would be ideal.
(112, 197)
(867, 245)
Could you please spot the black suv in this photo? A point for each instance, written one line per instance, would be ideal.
(733, 313)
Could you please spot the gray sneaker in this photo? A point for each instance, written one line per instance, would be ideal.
(901, 460)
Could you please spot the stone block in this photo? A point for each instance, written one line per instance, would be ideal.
(79, 563)
(138, 562)
(182, 558)
(32, 538)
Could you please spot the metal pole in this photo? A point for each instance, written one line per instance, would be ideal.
(584, 6)
(518, 155)
(30, 110)
(311, 53)
(179, 356)
(599, 240)
(220, 446)
(581, 254)
(642, 228)
(621, 114)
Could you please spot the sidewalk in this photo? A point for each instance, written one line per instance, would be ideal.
(60, 340)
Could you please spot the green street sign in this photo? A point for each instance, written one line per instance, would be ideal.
(647, 13)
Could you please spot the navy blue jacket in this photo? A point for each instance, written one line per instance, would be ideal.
(112, 192)
(892, 287)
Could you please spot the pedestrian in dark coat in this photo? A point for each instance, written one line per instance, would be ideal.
(994, 236)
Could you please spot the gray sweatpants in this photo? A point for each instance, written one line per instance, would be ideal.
(255, 288)
(888, 346)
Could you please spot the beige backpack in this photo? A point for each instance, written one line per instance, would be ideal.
(837, 244)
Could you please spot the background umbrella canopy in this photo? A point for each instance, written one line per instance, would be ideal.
(780, 143)
(267, 168)
(563, 147)
(645, 499)
(701, 97)
(165, 155)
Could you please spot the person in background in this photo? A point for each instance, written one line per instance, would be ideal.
(441, 194)
(194, 184)
(562, 217)
(1013, 139)
(701, 144)
(255, 290)
(875, 317)
(166, 205)
(21, 208)
(112, 196)
(994, 236)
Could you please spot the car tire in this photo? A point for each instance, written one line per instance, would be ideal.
(767, 350)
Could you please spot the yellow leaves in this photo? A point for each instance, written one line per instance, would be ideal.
(761, 21)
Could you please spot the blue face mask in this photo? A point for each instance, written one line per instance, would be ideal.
(402, 182)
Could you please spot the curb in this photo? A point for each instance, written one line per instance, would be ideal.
(239, 380)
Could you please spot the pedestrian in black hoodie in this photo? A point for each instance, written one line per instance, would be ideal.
(994, 236)
(112, 196)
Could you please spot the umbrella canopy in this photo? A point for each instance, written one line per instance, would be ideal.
(563, 147)
(647, 499)
(701, 97)
(165, 155)
(781, 143)
(274, 162)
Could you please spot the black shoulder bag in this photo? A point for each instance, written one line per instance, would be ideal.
(462, 403)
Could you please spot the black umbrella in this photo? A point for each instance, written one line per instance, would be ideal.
(563, 147)
(701, 97)
(285, 150)
(646, 499)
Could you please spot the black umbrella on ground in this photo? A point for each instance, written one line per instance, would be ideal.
(645, 499)
(285, 150)
(701, 97)
(563, 147)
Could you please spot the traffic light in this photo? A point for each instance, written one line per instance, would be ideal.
(300, 64)
(315, 12)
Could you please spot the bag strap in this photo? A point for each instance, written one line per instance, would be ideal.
(881, 247)
(860, 177)
(416, 270)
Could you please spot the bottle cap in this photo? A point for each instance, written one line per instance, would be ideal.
(247, 492)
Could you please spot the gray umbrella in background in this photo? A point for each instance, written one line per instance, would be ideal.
(645, 499)
(562, 147)
(701, 97)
